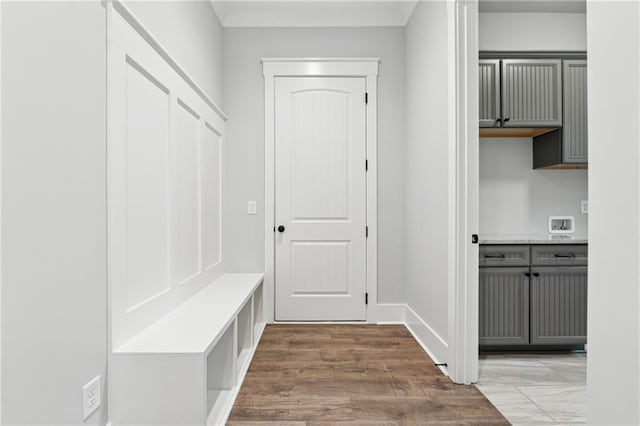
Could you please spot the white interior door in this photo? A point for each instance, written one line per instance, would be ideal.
(320, 199)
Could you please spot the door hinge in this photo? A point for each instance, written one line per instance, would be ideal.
(366, 98)
(366, 298)
(366, 165)
(366, 232)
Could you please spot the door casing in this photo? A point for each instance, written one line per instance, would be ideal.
(321, 67)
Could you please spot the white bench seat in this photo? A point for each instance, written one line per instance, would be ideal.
(187, 367)
(196, 325)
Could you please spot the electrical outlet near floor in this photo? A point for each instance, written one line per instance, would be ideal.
(584, 207)
(91, 396)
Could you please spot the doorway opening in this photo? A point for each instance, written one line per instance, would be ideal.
(532, 218)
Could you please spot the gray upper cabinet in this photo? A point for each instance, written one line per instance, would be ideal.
(489, 81)
(532, 92)
(504, 306)
(575, 112)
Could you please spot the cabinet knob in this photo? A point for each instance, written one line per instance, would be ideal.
(280, 228)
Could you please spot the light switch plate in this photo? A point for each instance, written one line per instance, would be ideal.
(91, 396)
(584, 207)
(252, 207)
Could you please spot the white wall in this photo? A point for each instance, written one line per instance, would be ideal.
(54, 289)
(54, 317)
(191, 31)
(613, 369)
(426, 168)
(516, 199)
(243, 239)
(532, 31)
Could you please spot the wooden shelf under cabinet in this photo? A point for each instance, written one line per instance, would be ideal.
(514, 132)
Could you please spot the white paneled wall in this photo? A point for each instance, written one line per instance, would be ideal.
(165, 183)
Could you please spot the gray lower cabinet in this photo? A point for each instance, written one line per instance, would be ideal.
(543, 301)
(504, 306)
(559, 305)
(507, 255)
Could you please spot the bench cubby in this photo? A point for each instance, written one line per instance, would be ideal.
(187, 367)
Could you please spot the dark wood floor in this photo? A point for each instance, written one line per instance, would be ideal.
(351, 374)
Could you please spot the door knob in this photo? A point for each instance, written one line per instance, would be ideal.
(280, 228)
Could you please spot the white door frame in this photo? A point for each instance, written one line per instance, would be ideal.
(463, 285)
(320, 67)
(0, 213)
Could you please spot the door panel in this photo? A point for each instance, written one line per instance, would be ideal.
(320, 198)
(531, 93)
(575, 112)
(559, 305)
(489, 81)
(504, 306)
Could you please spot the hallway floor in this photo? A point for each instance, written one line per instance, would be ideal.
(351, 374)
(536, 388)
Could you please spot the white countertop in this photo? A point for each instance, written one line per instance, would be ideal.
(533, 239)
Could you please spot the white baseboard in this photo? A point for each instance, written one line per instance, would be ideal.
(430, 341)
(390, 313)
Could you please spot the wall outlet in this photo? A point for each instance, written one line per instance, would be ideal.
(91, 396)
(584, 207)
(252, 207)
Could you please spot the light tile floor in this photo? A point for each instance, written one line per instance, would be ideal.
(536, 389)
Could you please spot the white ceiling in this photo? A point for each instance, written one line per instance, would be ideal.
(359, 13)
(313, 13)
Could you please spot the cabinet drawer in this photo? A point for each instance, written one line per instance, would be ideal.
(559, 255)
(510, 255)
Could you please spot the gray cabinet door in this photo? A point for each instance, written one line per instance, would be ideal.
(504, 306)
(575, 112)
(532, 92)
(489, 80)
(559, 305)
